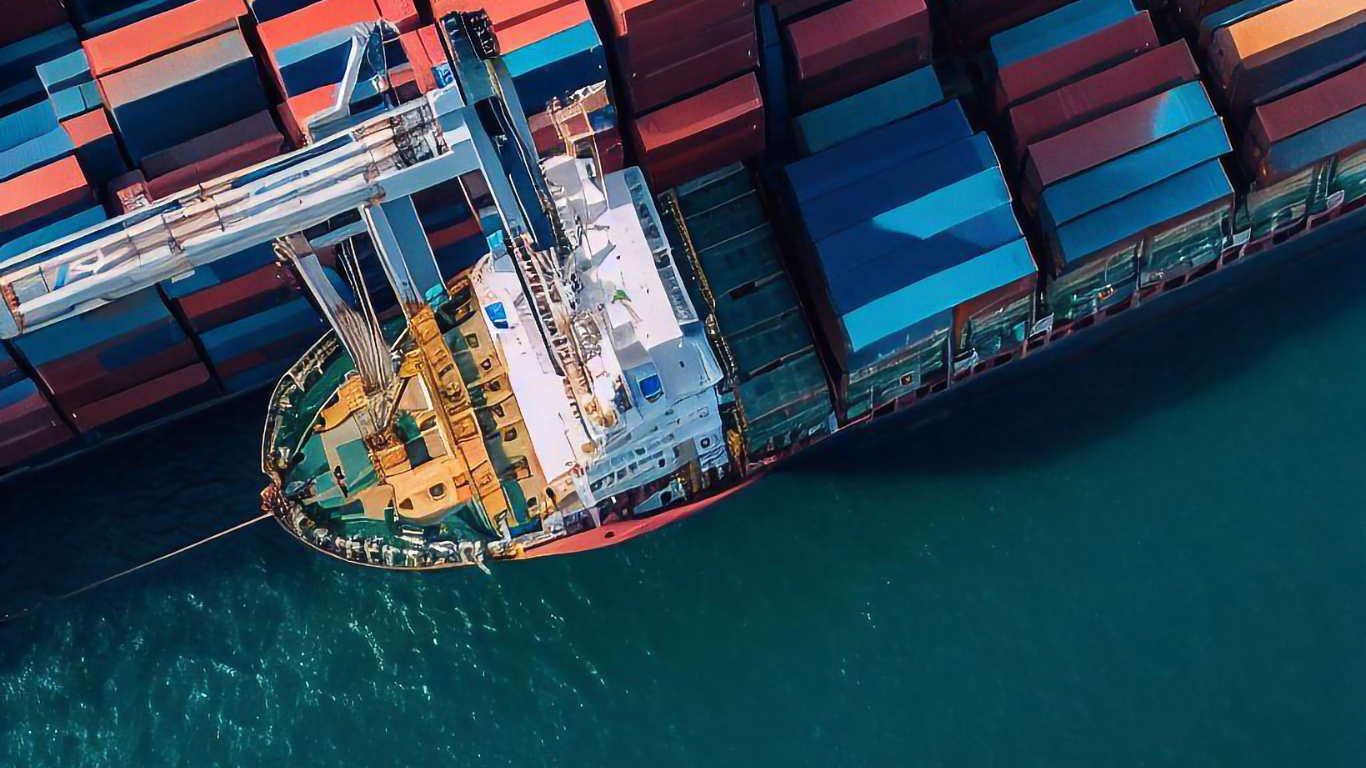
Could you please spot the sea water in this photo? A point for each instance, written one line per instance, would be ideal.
(1153, 555)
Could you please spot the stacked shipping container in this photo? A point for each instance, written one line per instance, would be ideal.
(780, 387)
(912, 254)
(1119, 148)
(1290, 72)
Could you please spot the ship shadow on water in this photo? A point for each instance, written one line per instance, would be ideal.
(1076, 400)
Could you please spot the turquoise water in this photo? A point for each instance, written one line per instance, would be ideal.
(1152, 556)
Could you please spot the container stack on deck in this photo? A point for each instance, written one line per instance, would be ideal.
(912, 253)
(719, 223)
(1119, 150)
(1132, 142)
(1290, 75)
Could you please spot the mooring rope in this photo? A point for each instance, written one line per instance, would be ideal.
(121, 574)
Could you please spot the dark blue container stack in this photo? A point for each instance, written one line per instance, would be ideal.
(911, 250)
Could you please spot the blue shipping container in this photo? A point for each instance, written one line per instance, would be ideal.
(897, 186)
(884, 148)
(1052, 30)
(851, 289)
(557, 66)
(1183, 193)
(936, 294)
(1123, 176)
(895, 99)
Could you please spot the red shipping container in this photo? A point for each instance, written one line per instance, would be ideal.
(250, 294)
(786, 9)
(1102, 93)
(857, 77)
(641, 27)
(30, 413)
(1301, 111)
(452, 235)
(502, 13)
(1048, 71)
(537, 28)
(141, 397)
(42, 191)
(702, 133)
(611, 150)
(162, 33)
(423, 75)
(215, 154)
(18, 448)
(25, 18)
(82, 379)
(677, 71)
(1092, 144)
(974, 22)
(296, 112)
(129, 192)
(728, 150)
(401, 13)
(88, 128)
(734, 107)
(857, 30)
(280, 353)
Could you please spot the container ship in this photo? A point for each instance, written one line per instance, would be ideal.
(532, 277)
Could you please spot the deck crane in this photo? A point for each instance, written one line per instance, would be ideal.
(372, 167)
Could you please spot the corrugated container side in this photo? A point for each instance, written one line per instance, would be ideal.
(97, 147)
(208, 85)
(1067, 63)
(1056, 28)
(711, 130)
(901, 97)
(887, 147)
(1135, 215)
(159, 398)
(1282, 120)
(857, 45)
(897, 186)
(1283, 49)
(41, 196)
(1101, 94)
(1117, 133)
(168, 31)
(663, 76)
(1128, 174)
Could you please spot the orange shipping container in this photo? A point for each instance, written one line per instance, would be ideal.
(41, 192)
(1259, 37)
(147, 39)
